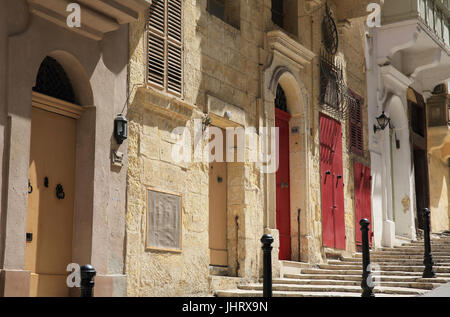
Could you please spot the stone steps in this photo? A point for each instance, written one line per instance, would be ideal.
(410, 284)
(403, 253)
(410, 268)
(356, 272)
(333, 288)
(393, 263)
(357, 278)
(246, 293)
(418, 248)
(400, 274)
(409, 259)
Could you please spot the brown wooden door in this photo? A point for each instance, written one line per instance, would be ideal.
(421, 182)
(50, 219)
(218, 211)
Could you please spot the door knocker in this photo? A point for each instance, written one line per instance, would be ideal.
(60, 192)
(30, 188)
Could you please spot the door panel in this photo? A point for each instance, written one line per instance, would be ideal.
(363, 206)
(332, 186)
(421, 185)
(49, 219)
(283, 186)
(218, 211)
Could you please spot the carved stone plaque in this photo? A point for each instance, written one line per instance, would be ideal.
(164, 221)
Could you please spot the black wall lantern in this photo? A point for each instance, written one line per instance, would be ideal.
(120, 128)
(383, 122)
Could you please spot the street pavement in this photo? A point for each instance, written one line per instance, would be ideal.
(443, 291)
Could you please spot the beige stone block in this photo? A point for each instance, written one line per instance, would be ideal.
(149, 146)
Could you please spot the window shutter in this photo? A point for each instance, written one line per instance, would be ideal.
(174, 50)
(165, 45)
(356, 126)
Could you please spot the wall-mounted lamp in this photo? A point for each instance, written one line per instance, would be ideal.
(120, 128)
(383, 122)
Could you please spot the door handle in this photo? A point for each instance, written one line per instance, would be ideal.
(30, 188)
(29, 237)
(327, 173)
(60, 194)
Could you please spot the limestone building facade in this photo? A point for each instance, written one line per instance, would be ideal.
(62, 197)
(253, 65)
(408, 69)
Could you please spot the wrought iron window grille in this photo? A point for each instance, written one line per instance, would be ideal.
(335, 97)
(330, 37)
(53, 81)
(280, 99)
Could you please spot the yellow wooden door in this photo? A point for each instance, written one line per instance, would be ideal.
(50, 218)
(218, 212)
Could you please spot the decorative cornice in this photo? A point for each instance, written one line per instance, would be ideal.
(283, 44)
(98, 17)
(394, 81)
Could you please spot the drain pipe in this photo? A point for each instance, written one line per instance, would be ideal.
(298, 226)
(237, 246)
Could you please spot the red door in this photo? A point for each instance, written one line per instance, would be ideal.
(363, 205)
(331, 172)
(283, 191)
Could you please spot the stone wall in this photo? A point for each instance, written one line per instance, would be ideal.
(224, 65)
(439, 178)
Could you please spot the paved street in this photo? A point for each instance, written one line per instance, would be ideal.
(443, 291)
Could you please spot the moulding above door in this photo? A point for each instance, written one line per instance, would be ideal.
(58, 106)
(284, 45)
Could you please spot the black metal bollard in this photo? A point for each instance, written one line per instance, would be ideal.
(366, 287)
(267, 241)
(428, 257)
(87, 280)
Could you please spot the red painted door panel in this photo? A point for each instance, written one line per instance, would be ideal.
(332, 185)
(283, 184)
(363, 201)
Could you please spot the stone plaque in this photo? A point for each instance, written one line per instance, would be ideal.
(164, 221)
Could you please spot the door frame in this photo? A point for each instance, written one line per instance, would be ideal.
(235, 213)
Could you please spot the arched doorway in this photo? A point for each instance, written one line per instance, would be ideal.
(51, 180)
(290, 184)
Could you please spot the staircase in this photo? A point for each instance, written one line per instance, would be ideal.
(399, 274)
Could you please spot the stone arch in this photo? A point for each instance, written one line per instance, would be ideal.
(296, 95)
(76, 74)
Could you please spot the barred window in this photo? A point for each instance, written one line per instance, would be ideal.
(53, 81)
(228, 11)
(278, 13)
(165, 48)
